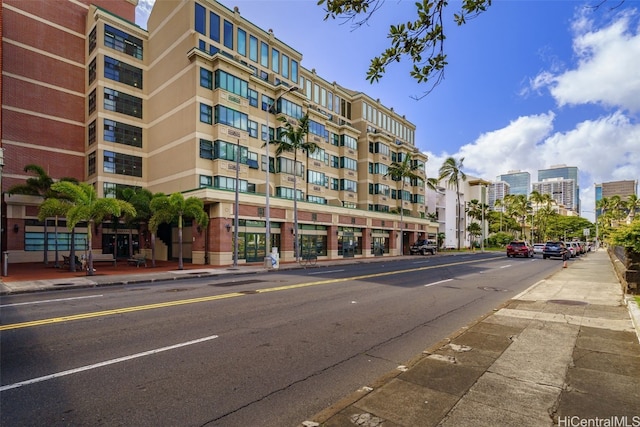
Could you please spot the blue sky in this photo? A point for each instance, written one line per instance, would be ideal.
(529, 84)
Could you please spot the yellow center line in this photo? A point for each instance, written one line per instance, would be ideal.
(123, 310)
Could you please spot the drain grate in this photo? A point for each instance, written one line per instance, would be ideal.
(63, 284)
(567, 302)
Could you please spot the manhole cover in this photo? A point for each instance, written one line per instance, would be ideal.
(248, 292)
(567, 302)
(491, 288)
(239, 282)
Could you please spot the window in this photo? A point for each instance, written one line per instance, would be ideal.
(206, 181)
(122, 42)
(122, 103)
(290, 109)
(229, 117)
(122, 164)
(206, 78)
(92, 71)
(242, 42)
(253, 49)
(319, 154)
(122, 133)
(264, 54)
(214, 27)
(275, 60)
(317, 178)
(316, 128)
(93, 39)
(317, 199)
(253, 97)
(334, 183)
(334, 161)
(379, 148)
(227, 151)
(263, 133)
(349, 142)
(227, 183)
(231, 83)
(285, 165)
(92, 101)
(285, 66)
(34, 241)
(348, 185)
(206, 149)
(228, 34)
(122, 72)
(92, 133)
(287, 193)
(294, 72)
(252, 128)
(200, 19)
(91, 163)
(111, 189)
(206, 114)
(348, 163)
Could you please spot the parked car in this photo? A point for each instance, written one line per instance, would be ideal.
(574, 248)
(519, 248)
(424, 247)
(554, 249)
(538, 248)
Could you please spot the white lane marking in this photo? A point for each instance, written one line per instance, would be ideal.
(323, 272)
(437, 283)
(420, 262)
(105, 363)
(506, 266)
(49, 300)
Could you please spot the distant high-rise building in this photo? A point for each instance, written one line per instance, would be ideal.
(497, 191)
(519, 182)
(561, 190)
(624, 189)
(567, 173)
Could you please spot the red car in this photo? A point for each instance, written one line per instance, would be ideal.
(519, 248)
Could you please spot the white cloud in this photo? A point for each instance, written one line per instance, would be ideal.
(607, 68)
(142, 12)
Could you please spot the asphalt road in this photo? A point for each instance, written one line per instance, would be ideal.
(250, 350)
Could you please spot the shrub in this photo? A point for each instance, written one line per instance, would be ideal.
(627, 236)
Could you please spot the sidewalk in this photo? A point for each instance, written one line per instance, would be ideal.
(565, 352)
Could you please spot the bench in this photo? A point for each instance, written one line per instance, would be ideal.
(138, 261)
(104, 258)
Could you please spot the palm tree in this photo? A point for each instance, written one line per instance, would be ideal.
(518, 207)
(54, 207)
(140, 199)
(632, 205)
(40, 185)
(291, 139)
(166, 209)
(403, 171)
(451, 170)
(85, 205)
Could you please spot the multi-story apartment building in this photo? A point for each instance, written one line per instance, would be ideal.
(497, 191)
(519, 182)
(188, 105)
(561, 190)
(623, 189)
(566, 173)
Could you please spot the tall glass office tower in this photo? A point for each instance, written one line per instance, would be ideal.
(519, 182)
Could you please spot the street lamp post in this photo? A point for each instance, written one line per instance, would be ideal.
(236, 208)
(267, 207)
